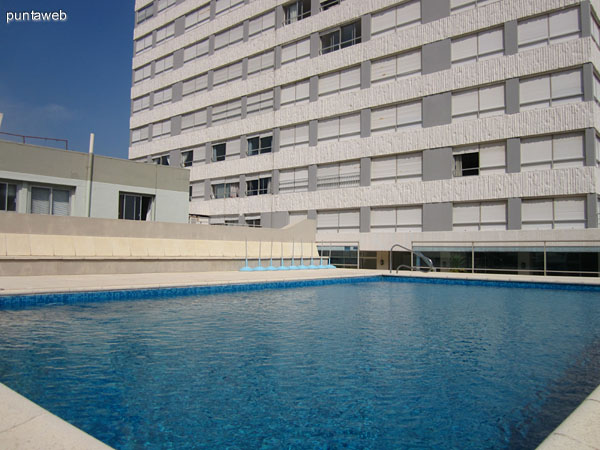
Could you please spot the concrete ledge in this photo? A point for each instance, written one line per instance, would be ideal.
(25, 425)
(581, 430)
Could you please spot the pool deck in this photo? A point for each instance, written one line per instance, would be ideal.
(25, 285)
(25, 425)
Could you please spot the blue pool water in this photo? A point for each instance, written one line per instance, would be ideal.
(368, 365)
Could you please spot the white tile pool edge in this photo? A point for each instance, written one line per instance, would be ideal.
(25, 425)
(581, 430)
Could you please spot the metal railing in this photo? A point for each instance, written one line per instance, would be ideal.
(413, 253)
(24, 138)
(471, 248)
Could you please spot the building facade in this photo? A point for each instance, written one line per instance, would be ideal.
(418, 122)
(49, 181)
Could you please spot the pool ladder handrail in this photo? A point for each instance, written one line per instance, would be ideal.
(427, 260)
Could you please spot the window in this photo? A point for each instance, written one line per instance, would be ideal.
(8, 197)
(142, 73)
(262, 23)
(187, 158)
(164, 4)
(225, 189)
(135, 206)
(551, 90)
(347, 80)
(479, 216)
(478, 103)
(226, 150)
(163, 96)
(166, 32)
(193, 120)
(139, 134)
(261, 63)
(252, 220)
(479, 159)
(326, 4)
(405, 219)
(197, 190)
(296, 51)
(396, 67)
(399, 17)
(196, 84)
(227, 74)
(229, 37)
(466, 161)
(218, 152)
(259, 144)
(261, 102)
(198, 16)
(478, 47)
(338, 175)
(457, 6)
(339, 128)
(596, 86)
(226, 5)
(161, 129)
(141, 103)
(294, 137)
(552, 152)
(196, 50)
(47, 200)
(258, 185)
(296, 11)
(227, 112)
(557, 213)
(295, 94)
(345, 220)
(395, 168)
(396, 117)
(293, 180)
(163, 64)
(143, 43)
(144, 14)
(549, 29)
(345, 36)
(163, 160)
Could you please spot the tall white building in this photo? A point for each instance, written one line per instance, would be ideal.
(418, 122)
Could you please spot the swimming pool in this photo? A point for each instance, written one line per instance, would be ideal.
(362, 365)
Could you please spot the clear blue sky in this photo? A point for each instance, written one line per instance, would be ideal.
(68, 79)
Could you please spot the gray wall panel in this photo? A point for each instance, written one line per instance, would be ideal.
(434, 10)
(436, 56)
(437, 164)
(592, 211)
(365, 219)
(437, 217)
(511, 38)
(365, 171)
(514, 214)
(365, 123)
(437, 110)
(513, 155)
(512, 96)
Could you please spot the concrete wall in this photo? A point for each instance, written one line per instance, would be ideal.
(32, 244)
(34, 165)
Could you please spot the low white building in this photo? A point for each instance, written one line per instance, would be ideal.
(43, 180)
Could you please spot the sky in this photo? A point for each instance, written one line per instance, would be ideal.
(68, 79)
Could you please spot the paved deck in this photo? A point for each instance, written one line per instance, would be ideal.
(24, 285)
(24, 425)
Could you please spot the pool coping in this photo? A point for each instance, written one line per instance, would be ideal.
(26, 425)
(28, 422)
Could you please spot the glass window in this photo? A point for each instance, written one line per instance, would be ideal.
(135, 206)
(296, 11)
(46, 200)
(8, 197)
(218, 152)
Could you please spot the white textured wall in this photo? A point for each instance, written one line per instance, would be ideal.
(569, 54)
(545, 183)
